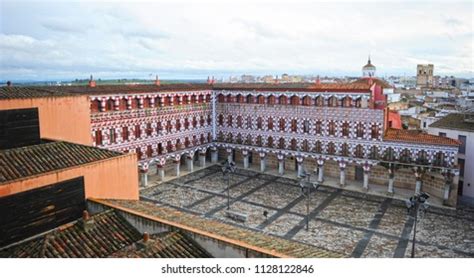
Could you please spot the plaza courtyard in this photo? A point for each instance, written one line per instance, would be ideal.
(351, 223)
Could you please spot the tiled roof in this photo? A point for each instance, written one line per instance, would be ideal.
(454, 121)
(174, 244)
(29, 92)
(130, 89)
(415, 136)
(219, 230)
(108, 233)
(309, 87)
(51, 156)
(380, 82)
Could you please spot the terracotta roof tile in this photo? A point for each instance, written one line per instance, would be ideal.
(415, 136)
(15, 92)
(174, 244)
(37, 159)
(454, 121)
(309, 87)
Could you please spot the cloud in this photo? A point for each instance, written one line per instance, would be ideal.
(63, 26)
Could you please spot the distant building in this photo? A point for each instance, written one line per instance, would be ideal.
(368, 70)
(460, 127)
(424, 75)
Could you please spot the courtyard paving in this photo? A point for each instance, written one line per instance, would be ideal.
(352, 223)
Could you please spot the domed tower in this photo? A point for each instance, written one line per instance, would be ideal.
(368, 70)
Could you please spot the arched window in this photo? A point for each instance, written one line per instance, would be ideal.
(281, 123)
(249, 122)
(359, 151)
(345, 149)
(248, 141)
(239, 121)
(271, 100)
(293, 144)
(332, 102)
(422, 157)
(374, 153)
(229, 99)
(221, 119)
(347, 102)
(270, 142)
(123, 104)
(389, 154)
(305, 145)
(319, 101)
(270, 123)
(405, 156)
(110, 105)
(137, 131)
(95, 106)
(318, 127)
(360, 130)
(125, 133)
(375, 131)
(439, 159)
(146, 102)
(331, 148)
(358, 103)
(332, 128)
(240, 99)
(306, 126)
(295, 100)
(283, 100)
(239, 138)
(149, 129)
(259, 141)
(345, 129)
(259, 123)
(98, 137)
(261, 99)
(294, 125)
(229, 120)
(230, 137)
(250, 99)
(318, 147)
(221, 98)
(281, 143)
(307, 101)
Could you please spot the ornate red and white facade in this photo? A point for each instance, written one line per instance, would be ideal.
(338, 129)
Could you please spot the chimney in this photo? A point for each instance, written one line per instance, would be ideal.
(92, 82)
(9, 83)
(157, 81)
(146, 237)
(87, 222)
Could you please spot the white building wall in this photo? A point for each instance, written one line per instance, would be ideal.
(468, 185)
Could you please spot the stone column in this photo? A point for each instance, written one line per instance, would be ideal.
(202, 158)
(144, 175)
(418, 175)
(448, 181)
(391, 178)
(160, 170)
(190, 162)
(366, 168)
(320, 162)
(342, 168)
(299, 162)
(177, 162)
(214, 155)
(245, 153)
(263, 161)
(281, 164)
(229, 155)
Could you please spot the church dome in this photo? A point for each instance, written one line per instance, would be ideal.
(368, 70)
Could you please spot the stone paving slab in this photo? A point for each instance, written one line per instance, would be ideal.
(344, 210)
(380, 247)
(352, 223)
(333, 237)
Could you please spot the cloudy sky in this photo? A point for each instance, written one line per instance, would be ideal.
(178, 39)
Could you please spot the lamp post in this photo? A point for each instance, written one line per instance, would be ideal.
(417, 204)
(306, 186)
(228, 168)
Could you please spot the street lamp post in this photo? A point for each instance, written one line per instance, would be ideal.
(228, 168)
(416, 205)
(306, 186)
